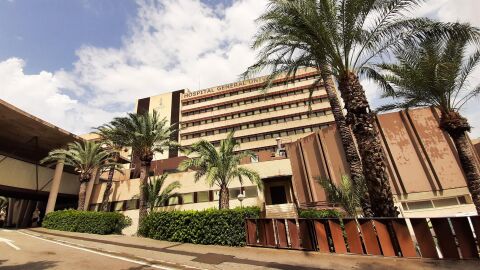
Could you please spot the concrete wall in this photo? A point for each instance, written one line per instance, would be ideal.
(422, 163)
(126, 190)
(20, 174)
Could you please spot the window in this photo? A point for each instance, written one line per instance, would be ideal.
(233, 192)
(216, 195)
(118, 206)
(419, 205)
(254, 159)
(131, 204)
(187, 198)
(251, 192)
(173, 201)
(202, 196)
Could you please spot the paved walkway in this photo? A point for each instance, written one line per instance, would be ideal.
(151, 254)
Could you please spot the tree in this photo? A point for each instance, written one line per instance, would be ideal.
(113, 145)
(85, 157)
(147, 134)
(220, 167)
(436, 73)
(155, 195)
(346, 36)
(3, 203)
(346, 194)
(286, 47)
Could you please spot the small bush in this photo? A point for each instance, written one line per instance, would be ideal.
(208, 227)
(323, 213)
(86, 221)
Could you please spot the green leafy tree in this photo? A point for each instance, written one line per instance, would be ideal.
(110, 142)
(345, 193)
(219, 167)
(3, 203)
(437, 73)
(157, 195)
(342, 37)
(146, 134)
(85, 157)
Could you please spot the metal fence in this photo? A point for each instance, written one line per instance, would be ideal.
(452, 238)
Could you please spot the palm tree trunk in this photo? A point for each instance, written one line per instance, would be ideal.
(351, 153)
(108, 188)
(82, 193)
(362, 121)
(144, 172)
(457, 126)
(224, 198)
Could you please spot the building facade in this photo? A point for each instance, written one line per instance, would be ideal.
(295, 145)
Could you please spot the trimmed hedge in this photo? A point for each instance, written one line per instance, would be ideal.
(314, 213)
(208, 227)
(86, 221)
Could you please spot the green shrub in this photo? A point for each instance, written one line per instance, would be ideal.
(208, 227)
(86, 221)
(314, 213)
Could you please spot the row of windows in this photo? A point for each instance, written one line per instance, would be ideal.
(254, 112)
(256, 99)
(277, 134)
(255, 124)
(185, 198)
(242, 91)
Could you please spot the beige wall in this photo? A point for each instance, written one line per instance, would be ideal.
(20, 174)
(126, 190)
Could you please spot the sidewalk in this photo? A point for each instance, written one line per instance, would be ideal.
(220, 257)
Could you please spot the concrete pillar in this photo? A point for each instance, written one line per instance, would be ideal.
(57, 177)
(93, 180)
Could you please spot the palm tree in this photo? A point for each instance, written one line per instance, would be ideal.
(436, 73)
(293, 28)
(84, 157)
(346, 194)
(110, 142)
(220, 166)
(344, 36)
(156, 196)
(147, 134)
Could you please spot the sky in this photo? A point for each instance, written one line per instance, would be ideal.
(79, 63)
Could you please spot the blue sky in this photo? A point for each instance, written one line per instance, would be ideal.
(78, 63)
(46, 33)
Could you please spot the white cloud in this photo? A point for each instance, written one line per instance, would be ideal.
(171, 45)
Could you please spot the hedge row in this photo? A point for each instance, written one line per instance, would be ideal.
(86, 221)
(208, 227)
(323, 213)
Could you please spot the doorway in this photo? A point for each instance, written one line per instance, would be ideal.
(278, 194)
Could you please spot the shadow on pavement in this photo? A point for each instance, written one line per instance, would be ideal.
(40, 265)
(208, 258)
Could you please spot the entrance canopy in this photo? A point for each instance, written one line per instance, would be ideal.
(28, 138)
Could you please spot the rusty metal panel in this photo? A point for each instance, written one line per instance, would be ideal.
(353, 236)
(445, 238)
(321, 234)
(424, 238)
(369, 237)
(282, 233)
(404, 238)
(464, 235)
(269, 233)
(381, 225)
(251, 232)
(262, 238)
(337, 236)
(305, 234)
(293, 233)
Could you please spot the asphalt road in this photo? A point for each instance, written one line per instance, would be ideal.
(19, 250)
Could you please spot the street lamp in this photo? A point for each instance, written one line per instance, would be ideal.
(240, 198)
